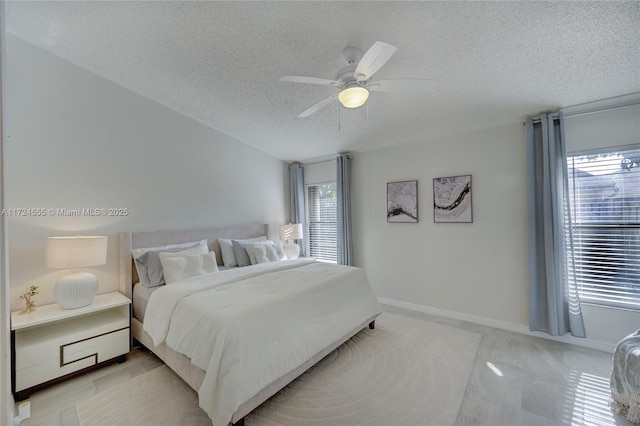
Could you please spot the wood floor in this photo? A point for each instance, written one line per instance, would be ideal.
(516, 380)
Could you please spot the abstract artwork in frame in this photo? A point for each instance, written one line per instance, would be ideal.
(452, 199)
(402, 202)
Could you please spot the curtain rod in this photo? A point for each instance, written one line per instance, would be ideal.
(579, 114)
(537, 120)
(320, 162)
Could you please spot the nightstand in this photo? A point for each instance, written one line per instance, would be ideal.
(52, 344)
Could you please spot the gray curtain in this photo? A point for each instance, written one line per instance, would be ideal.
(343, 184)
(296, 173)
(553, 297)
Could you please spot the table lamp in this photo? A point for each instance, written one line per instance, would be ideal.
(78, 288)
(290, 232)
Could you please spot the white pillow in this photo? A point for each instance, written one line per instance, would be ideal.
(140, 251)
(261, 254)
(266, 253)
(274, 252)
(141, 267)
(178, 267)
(155, 271)
(226, 248)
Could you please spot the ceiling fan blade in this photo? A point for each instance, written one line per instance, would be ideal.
(317, 107)
(403, 85)
(309, 80)
(373, 60)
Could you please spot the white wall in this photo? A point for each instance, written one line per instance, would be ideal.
(478, 269)
(75, 140)
(6, 399)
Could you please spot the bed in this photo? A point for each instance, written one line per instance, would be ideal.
(239, 336)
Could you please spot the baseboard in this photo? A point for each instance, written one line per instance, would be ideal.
(503, 325)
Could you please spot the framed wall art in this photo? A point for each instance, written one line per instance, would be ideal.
(402, 202)
(452, 199)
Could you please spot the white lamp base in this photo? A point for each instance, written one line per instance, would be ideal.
(75, 290)
(292, 250)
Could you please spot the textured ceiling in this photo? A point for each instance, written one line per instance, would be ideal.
(219, 62)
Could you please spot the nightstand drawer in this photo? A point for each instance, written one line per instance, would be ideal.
(101, 350)
(45, 343)
(73, 352)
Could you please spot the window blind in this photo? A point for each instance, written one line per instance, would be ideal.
(604, 190)
(322, 221)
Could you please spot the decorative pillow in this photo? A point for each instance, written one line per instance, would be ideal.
(242, 257)
(280, 254)
(226, 248)
(275, 252)
(266, 253)
(178, 267)
(154, 267)
(141, 267)
(261, 254)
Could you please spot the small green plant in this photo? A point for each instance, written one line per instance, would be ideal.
(30, 304)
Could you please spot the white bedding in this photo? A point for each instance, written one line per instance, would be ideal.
(250, 326)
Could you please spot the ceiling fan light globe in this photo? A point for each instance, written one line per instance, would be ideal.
(353, 97)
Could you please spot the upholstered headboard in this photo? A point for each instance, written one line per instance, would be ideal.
(131, 240)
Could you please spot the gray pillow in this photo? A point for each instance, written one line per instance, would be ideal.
(240, 253)
(151, 260)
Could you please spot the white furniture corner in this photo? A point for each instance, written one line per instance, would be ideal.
(52, 343)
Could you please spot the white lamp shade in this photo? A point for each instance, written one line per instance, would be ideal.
(76, 252)
(292, 231)
(353, 97)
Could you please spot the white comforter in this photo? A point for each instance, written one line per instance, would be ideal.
(250, 326)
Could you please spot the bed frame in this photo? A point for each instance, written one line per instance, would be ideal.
(179, 363)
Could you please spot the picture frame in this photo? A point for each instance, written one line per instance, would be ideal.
(402, 202)
(452, 199)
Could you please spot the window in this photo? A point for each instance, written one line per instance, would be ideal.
(605, 206)
(322, 215)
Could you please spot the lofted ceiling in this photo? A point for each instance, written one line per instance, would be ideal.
(219, 62)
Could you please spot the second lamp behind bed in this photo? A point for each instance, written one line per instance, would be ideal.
(291, 232)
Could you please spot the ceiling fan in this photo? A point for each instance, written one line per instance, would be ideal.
(354, 80)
